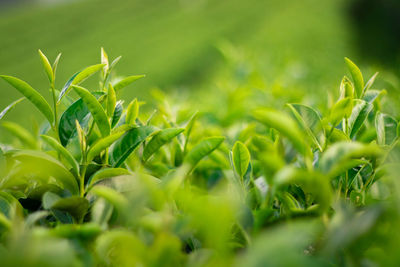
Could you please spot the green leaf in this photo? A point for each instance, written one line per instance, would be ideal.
(21, 133)
(49, 167)
(386, 129)
(127, 81)
(102, 144)
(341, 109)
(285, 125)
(310, 181)
(104, 60)
(346, 88)
(111, 101)
(66, 87)
(62, 151)
(160, 139)
(10, 107)
(117, 113)
(74, 205)
(357, 78)
(370, 82)
(106, 174)
(360, 112)
(123, 147)
(79, 77)
(371, 95)
(32, 218)
(310, 122)
(202, 149)
(188, 130)
(55, 64)
(241, 158)
(47, 66)
(78, 111)
(95, 109)
(112, 196)
(132, 112)
(338, 158)
(32, 95)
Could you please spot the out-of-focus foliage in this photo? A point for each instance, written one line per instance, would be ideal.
(240, 177)
(295, 44)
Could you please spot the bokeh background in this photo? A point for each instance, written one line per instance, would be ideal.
(182, 45)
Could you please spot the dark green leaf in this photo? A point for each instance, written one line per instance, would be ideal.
(160, 139)
(123, 147)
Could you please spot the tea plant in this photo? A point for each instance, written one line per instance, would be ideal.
(102, 183)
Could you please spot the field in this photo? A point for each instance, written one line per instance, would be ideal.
(229, 133)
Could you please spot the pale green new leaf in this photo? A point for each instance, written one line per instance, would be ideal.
(341, 109)
(47, 66)
(132, 112)
(357, 77)
(102, 144)
(127, 81)
(95, 109)
(241, 158)
(111, 101)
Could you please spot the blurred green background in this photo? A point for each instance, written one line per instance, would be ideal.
(176, 43)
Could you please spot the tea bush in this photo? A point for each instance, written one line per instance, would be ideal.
(242, 181)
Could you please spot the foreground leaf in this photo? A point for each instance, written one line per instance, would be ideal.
(49, 167)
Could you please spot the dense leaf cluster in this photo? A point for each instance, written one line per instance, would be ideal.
(102, 183)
